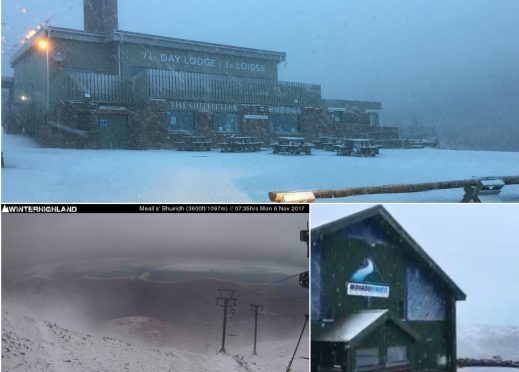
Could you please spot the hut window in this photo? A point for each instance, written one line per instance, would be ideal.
(317, 281)
(366, 358)
(225, 122)
(396, 355)
(180, 120)
(284, 123)
(424, 299)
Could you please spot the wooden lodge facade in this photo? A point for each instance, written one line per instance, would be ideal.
(105, 88)
(379, 302)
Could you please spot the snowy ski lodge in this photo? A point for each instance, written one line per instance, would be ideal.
(105, 88)
(379, 302)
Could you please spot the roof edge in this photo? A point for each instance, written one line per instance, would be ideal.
(380, 210)
(128, 36)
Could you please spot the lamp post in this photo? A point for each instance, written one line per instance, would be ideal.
(44, 45)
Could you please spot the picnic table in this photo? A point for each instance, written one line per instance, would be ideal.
(194, 143)
(356, 147)
(240, 144)
(318, 144)
(330, 144)
(292, 145)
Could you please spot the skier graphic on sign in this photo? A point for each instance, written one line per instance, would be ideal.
(367, 281)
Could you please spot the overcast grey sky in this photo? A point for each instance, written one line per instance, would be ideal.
(445, 62)
(182, 242)
(475, 244)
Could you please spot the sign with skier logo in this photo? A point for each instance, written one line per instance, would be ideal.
(367, 281)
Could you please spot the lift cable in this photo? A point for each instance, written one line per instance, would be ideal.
(268, 285)
(286, 299)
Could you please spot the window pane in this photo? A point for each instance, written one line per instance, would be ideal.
(397, 354)
(425, 301)
(366, 357)
(180, 120)
(284, 123)
(225, 122)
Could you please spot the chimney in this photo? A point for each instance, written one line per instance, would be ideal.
(100, 15)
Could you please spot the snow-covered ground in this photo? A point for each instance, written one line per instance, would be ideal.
(37, 345)
(35, 174)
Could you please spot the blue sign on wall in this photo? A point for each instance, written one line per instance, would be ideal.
(103, 123)
(367, 281)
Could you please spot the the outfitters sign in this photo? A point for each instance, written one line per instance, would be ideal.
(367, 282)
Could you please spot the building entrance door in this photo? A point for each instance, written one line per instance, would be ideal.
(113, 131)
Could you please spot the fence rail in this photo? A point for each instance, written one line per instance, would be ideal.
(100, 87)
(188, 86)
(219, 88)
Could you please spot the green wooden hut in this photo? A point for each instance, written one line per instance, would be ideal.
(379, 301)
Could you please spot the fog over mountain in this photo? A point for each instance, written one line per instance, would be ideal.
(448, 64)
(154, 278)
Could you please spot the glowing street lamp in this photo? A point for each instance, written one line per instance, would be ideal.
(43, 44)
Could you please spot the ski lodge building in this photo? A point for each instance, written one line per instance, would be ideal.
(105, 88)
(379, 302)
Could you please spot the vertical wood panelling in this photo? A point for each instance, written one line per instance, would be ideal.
(190, 85)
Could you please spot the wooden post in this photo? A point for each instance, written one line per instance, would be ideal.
(277, 196)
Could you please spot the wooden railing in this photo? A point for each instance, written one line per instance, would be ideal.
(471, 187)
(185, 86)
(95, 86)
(219, 88)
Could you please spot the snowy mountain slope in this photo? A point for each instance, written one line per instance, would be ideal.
(34, 174)
(36, 345)
(189, 306)
(487, 341)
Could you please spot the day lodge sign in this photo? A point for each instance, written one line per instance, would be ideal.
(222, 64)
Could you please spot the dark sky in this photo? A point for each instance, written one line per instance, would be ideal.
(179, 242)
(447, 63)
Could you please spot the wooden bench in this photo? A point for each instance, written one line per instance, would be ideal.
(292, 145)
(240, 144)
(194, 143)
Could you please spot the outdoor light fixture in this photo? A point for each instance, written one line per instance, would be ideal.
(43, 44)
(24, 98)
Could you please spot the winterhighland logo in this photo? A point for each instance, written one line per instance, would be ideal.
(39, 209)
(367, 282)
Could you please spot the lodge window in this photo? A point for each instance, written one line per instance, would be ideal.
(336, 116)
(225, 122)
(180, 120)
(373, 119)
(365, 359)
(284, 123)
(396, 355)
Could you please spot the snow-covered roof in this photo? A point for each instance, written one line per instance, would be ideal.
(134, 37)
(354, 324)
(351, 327)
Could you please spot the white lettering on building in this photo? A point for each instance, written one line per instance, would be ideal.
(209, 62)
